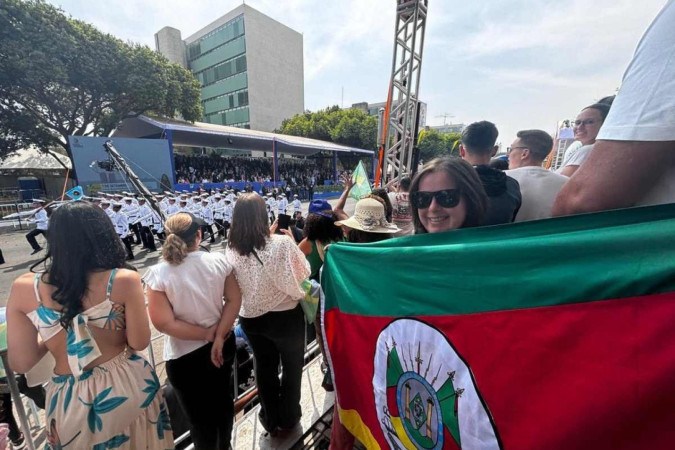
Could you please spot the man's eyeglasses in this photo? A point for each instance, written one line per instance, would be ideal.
(448, 198)
(585, 123)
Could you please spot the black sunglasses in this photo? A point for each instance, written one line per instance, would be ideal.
(447, 198)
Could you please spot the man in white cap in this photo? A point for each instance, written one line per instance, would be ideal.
(227, 216)
(297, 205)
(41, 221)
(282, 204)
(131, 211)
(171, 207)
(121, 223)
(218, 206)
(207, 216)
(105, 206)
(145, 213)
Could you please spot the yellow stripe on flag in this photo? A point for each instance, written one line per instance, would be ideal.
(352, 421)
(397, 423)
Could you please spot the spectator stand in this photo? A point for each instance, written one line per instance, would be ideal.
(204, 135)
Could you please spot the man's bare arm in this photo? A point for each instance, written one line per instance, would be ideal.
(617, 174)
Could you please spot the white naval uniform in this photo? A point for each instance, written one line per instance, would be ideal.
(297, 205)
(282, 205)
(41, 220)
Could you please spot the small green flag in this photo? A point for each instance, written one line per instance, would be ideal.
(361, 186)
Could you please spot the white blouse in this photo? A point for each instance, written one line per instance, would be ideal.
(195, 290)
(273, 285)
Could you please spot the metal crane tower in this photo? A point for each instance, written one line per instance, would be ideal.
(400, 120)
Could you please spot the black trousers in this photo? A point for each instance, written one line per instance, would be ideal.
(209, 229)
(205, 393)
(222, 227)
(136, 229)
(30, 237)
(127, 241)
(147, 238)
(274, 337)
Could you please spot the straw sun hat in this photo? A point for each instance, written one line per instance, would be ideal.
(369, 216)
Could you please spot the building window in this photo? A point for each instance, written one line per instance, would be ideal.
(222, 71)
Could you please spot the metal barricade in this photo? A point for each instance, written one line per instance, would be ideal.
(11, 214)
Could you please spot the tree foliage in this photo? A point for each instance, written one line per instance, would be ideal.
(433, 144)
(60, 77)
(350, 127)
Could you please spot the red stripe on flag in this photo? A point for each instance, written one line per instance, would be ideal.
(596, 375)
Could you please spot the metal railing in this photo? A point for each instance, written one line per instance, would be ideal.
(250, 394)
(14, 210)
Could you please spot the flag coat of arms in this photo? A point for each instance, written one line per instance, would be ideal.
(551, 334)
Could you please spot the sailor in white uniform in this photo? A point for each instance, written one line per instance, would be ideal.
(282, 204)
(297, 205)
(121, 223)
(41, 221)
(171, 207)
(145, 213)
(131, 211)
(207, 216)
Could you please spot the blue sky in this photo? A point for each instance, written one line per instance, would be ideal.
(521, 64)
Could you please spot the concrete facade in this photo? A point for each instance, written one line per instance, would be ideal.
(168, 42)
(250, 67)
(275, 70)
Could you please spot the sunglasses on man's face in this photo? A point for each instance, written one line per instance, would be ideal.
(447, 198)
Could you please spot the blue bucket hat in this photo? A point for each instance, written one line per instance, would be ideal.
(321, 207)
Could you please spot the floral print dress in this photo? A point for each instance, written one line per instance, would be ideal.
(115, 405)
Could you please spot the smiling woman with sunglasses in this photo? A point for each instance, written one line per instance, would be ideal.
(446, 194)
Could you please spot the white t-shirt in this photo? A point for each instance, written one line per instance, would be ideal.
(569, 154)
(539, 188)
(195, 290)
(644, 108)
(579, 156)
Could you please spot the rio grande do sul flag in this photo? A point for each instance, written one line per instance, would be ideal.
(554, 334)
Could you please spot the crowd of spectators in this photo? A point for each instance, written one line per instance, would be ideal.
(219, 169)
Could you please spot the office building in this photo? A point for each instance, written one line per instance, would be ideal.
(372, 110)
(249, 65)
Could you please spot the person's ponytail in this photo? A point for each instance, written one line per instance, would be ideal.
(174, 249)
(180, 238)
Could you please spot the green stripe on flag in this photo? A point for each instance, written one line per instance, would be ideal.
(614, 254)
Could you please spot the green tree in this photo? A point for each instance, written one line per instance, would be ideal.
(433, 144)
(61, 77)
(347, 127)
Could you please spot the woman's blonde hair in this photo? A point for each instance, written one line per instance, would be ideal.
(181, 236)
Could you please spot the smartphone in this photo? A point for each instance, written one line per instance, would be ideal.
(282, 221)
